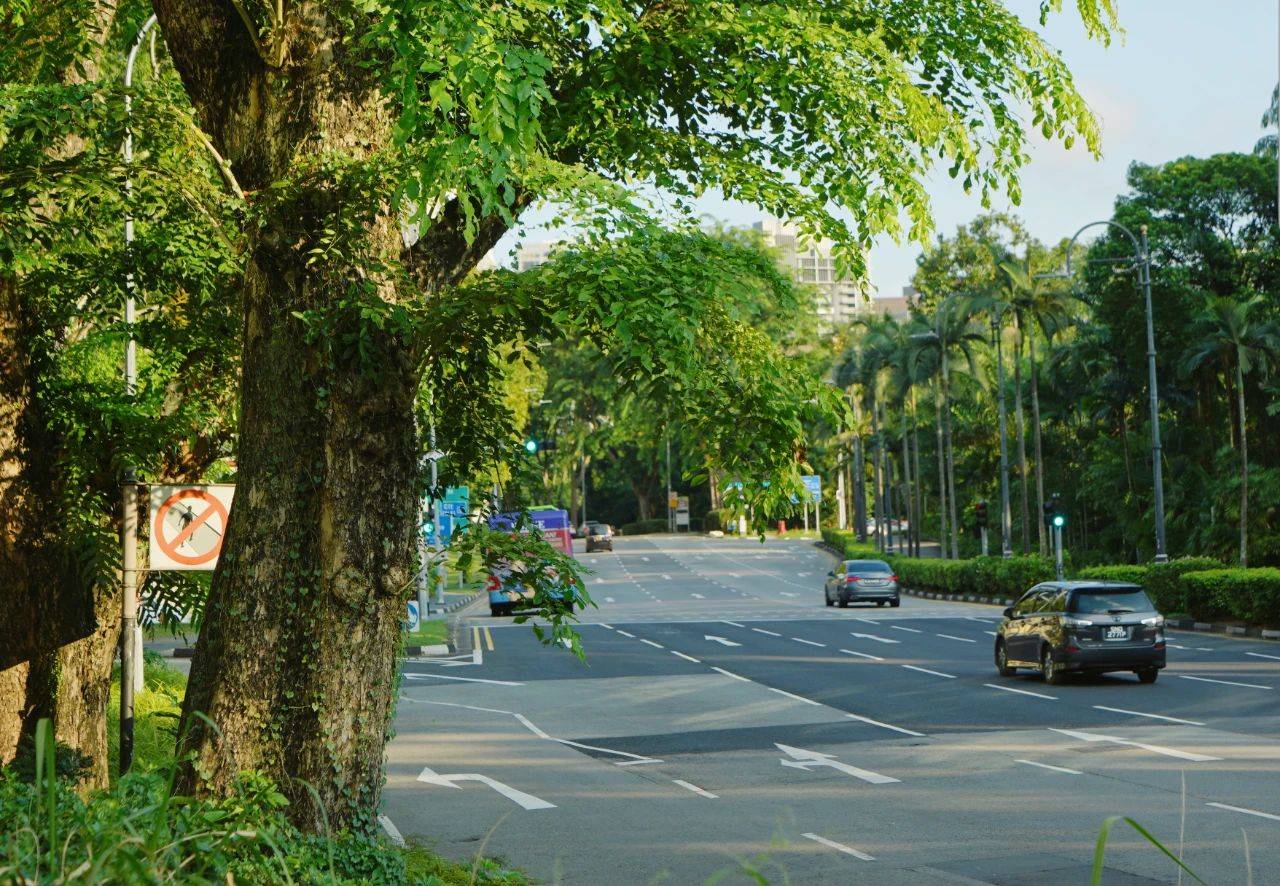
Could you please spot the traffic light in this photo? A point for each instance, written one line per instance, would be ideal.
(429, 522)
(531, 446)
(1055, 515)
(980, 514)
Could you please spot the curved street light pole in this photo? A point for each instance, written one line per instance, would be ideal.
(1142, 263)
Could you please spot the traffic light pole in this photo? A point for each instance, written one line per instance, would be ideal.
(1057, 550)
(984, 540)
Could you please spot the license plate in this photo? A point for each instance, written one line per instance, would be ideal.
(1116, 632)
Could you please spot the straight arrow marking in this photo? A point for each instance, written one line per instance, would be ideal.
(721, 640)
(805, 759)
(520, 798)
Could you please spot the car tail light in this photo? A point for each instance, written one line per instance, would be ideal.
(1071, 647)
(893, 578)
(493, 584)
(853, 578)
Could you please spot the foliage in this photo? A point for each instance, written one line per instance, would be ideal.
(155, 716)
(644, 527)
(996, 578)
(1162, 581)
(847, 545)
(1250, 595)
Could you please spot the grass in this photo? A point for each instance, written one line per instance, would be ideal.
(424, 866)
(431, 632)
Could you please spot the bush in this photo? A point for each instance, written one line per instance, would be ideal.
(845, 541)
(1163, 581)
(713, 520)
(1251, 595)
(994, 578)
(643, 527)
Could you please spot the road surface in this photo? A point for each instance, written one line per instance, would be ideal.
(726, 722)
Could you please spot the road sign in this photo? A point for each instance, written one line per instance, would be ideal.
(188, 524)
(453, 511)
(673, 499)
(415, 618)
(813, 483)
(682, 511)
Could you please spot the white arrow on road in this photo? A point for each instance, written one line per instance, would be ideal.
(520, 798)
(699, 596)
(872, 637)
(806, 760)
(720, 640)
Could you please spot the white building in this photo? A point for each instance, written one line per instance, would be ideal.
(530, 255)
(840, 299)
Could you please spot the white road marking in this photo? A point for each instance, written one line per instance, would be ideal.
(1264, 655)
(908, 630)
(806, 760)
(1155, 749)
(697, 790)
(884, 725)
(520, 798)
(645, 559)
(721, 640)
(802, 575)
(653, 644)
(1245, 811)
(666, 578)
(862, 654)
(730, 674)
(698, 596)
(1103, 707)
(392, 831)
(992, 633)
(626, 634)
(1175, 646)
(763, 631)
(808, 642)
(870, 621)
(786, 593)
(686, 657)
(1224, 682)
(872, 637)
(790, 695)
(839, 847)
(608, 599)
(927, 671)
(1021, 691)
(462, 679)
(734, 623)
(605, 626)
(954, 637)
(972, 618)
(1047, 766)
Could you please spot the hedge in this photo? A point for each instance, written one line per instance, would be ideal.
(994, 578)
(1251, 595)
(846, 542)
(1163, 581)
(643, 527)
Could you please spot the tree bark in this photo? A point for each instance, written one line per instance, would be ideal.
(1022, 433)
(942, 474)
(1039, 451)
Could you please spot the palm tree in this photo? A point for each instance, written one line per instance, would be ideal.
(1227, 331)
(1048, 308)
(894, 348)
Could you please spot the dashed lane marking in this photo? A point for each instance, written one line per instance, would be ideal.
(730, 674)
(1047, 766)
(839, 847)
(1223, 682)
(1155, 749)
(866, 655)
(763, 631)
(1020, 691)
(686, 657)
(697, 790)
(808, 642)
(863, 719)
(392, 831)
(1103, 707)
(653, 644)
(626, 634)
(1261, 655)
(954, 637)
(1245, 811)
(734, 623)
(927, 671)
(908, 630)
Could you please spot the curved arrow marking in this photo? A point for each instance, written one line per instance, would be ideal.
(806, 760)
(520, 798)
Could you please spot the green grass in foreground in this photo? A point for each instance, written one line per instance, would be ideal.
(430, 632)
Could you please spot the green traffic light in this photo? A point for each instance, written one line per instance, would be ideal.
(1059, 520)
(530, 446)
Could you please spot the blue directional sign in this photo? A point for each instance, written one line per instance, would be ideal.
(813, 483)
(452, 512)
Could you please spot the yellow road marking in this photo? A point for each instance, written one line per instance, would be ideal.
(488, 639)
(475, 638)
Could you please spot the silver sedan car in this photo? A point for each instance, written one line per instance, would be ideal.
(871, 581)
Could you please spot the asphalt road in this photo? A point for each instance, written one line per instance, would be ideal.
(727, 722)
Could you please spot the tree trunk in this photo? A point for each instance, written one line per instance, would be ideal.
(942, 475)
(1036, 435)
(1022, 433)
(951, 466)
(907, 498)
(859, 472)
(877, 469)
(915, 445)
(1244, 467)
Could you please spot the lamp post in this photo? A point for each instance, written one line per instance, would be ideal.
(1006, 518)
(1141, 262)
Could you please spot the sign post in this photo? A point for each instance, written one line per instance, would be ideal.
(813, 485)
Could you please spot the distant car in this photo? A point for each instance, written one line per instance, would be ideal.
(855, 581)
(599, 537)
(1062, 627)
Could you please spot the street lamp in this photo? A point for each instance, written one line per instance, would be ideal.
(1141, 262)
(1006, 517)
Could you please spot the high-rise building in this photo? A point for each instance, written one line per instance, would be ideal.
(840, 299)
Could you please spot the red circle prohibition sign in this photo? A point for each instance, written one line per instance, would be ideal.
(170, 547)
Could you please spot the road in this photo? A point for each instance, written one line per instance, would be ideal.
(726, 721)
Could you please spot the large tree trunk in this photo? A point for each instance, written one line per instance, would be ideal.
(1022, 435)
(1039, 450)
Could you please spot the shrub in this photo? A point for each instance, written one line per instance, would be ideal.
(994, 578)
(713, 520)
(643, 527)
(1251, 595)
(846, 543)
(1163, 581)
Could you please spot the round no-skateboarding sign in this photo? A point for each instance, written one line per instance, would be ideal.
(188, 524)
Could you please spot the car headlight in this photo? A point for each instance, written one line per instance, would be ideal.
(1069, 622)
(1155, 621)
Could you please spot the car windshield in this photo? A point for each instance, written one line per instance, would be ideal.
(868, 567)
(1115, 601)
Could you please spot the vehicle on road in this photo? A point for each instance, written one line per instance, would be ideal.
(856, 581)
(1063, 627)
(599, 537)
(507, 592)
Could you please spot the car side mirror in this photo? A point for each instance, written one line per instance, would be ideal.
(831, 574)
(1008, 612)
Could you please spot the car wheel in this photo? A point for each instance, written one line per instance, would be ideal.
(830, 602)
(895, 603)
(1050, 669)
(844, 604)
(879, 604)
(495, 610)
(1148, 675)
(1002, 661)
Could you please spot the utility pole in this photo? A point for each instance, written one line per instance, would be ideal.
(670, 515)
(130, 639)
(859, 473)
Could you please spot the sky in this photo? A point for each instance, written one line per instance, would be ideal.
(1188, 77)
